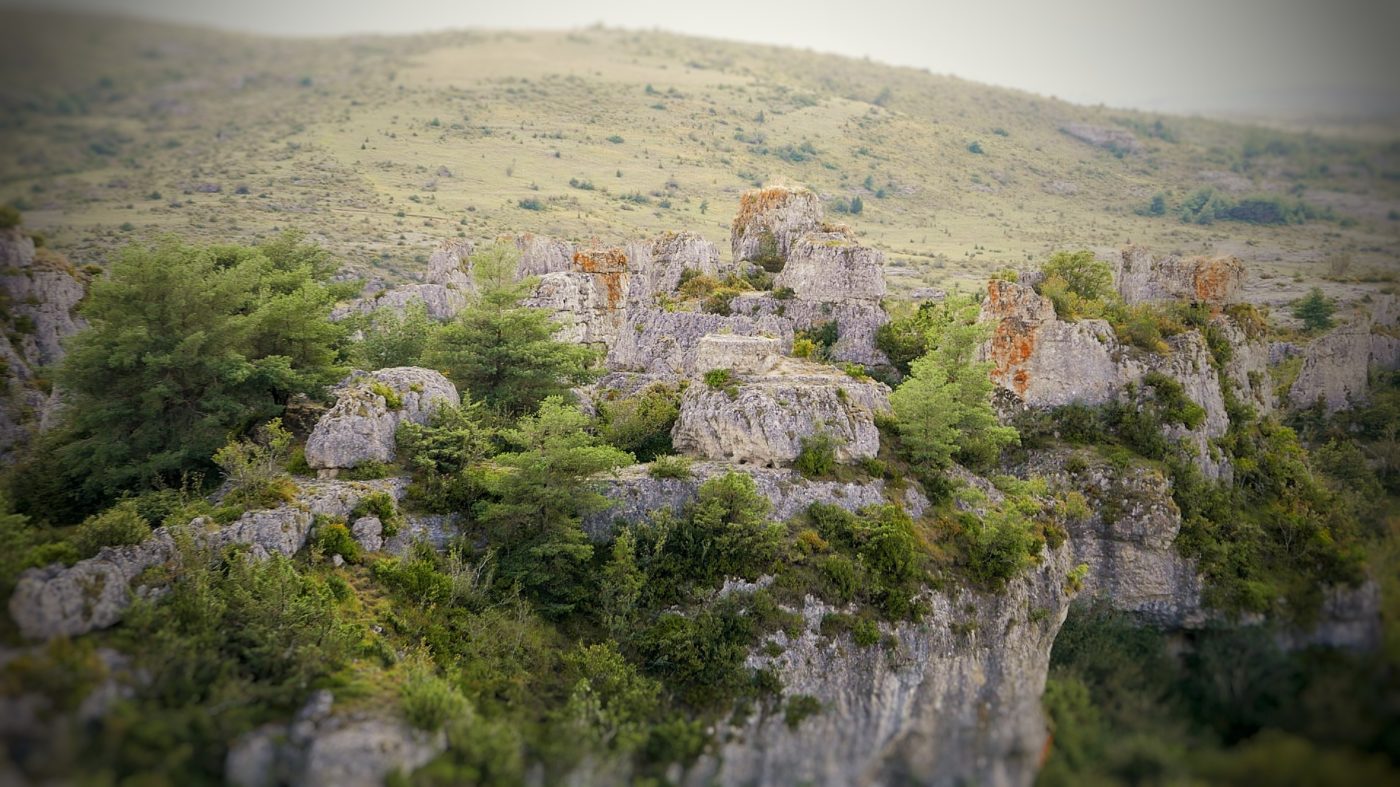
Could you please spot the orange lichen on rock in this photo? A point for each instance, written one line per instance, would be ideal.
(1215, 281)
(753, 204)
(1010, 347)
(610, 266)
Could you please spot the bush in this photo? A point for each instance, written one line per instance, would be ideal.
(1082, 274)
(333, 538)
(255, 468)
(429, 702)
(120, 525)
(1315, 310)
(817, 456)
(669, 467)
(719, 378)
(799, 708)
(9, 217)
(382, 506)
(641, 424)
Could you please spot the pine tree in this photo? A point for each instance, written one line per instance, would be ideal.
(1315, 310)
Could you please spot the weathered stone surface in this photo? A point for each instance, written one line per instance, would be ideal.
(857, 322)
(540, 255)
(956, 700)
(1143, 278)
(657, 264)
(1335, 368)
(41, 292)
(321, 749)
(635, 494)
(741, 354)
(1114, 140)
(1047, 362)
(589, 301)
(659, 342)
(831, 266)
(368, 532)
(1043, 360)
(94, 593)
(1247, 369)
(360, 427)
(766, 419)
(770, 220)
(446, 288)
(1128, 540)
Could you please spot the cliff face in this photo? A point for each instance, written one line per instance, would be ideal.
(952, 700)
(1047, 362)
(39, 296)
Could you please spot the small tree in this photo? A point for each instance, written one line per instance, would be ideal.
(394, 339)
(255, 467)
(1315, 310)
(502, 353)
(943, 411)
(1083, 275)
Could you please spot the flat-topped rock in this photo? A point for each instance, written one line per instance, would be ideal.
(764, 420)
(832, 267)
(742, 354)
(1143, 278)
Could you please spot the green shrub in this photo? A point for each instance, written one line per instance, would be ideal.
(9, 217)
(1174, 406)
(120, 525)
(382, 506)
(333, 538)
(255, 468)
(799, 708)
(641, 424)
(817, 456)
(1315, 310)
(669, 467)
(429, 702)
(391, 398)
(719, 378)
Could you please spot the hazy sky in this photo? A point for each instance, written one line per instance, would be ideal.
(1177, 55)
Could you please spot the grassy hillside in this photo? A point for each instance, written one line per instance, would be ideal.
(117, 129)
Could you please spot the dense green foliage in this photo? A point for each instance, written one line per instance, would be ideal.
(393, 338)
(501, 353)
(186, 345)
(1315, 310)
(641, 424)
(1235, 709)
(943, 411)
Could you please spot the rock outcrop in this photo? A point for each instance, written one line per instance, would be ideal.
(1142, 278)
(952, 700)
(446, 288)
(319, 748)
(368, 410)
(1336, 366)
(1047, 362)
(92, 594)
(1114, 140)
(39, 296)
(831, 266)
(770, 221)
(589, 301)
(660, 342)
(764, 419)
(635, 494)
(658, 264)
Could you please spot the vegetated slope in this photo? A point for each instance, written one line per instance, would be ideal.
(119, 129)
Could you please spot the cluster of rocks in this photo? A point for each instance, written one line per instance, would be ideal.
(369, 408)
(1335, 368)
(39, 296)
(1047, 362)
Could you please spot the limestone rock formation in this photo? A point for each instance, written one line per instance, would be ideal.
(445, 290)
(771, 220)
(1247, 368)
(589, 301)
(635, 494)
(39, 295)
(94, 593)
(368, 410)
(954, 700)
(657, 264)
(764, 419)
(1142, 278)
(740, 354)
(1047, 362)
(831, 266)
(322, 749)
(660, 342)
(540, 255)
(1336, 366)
